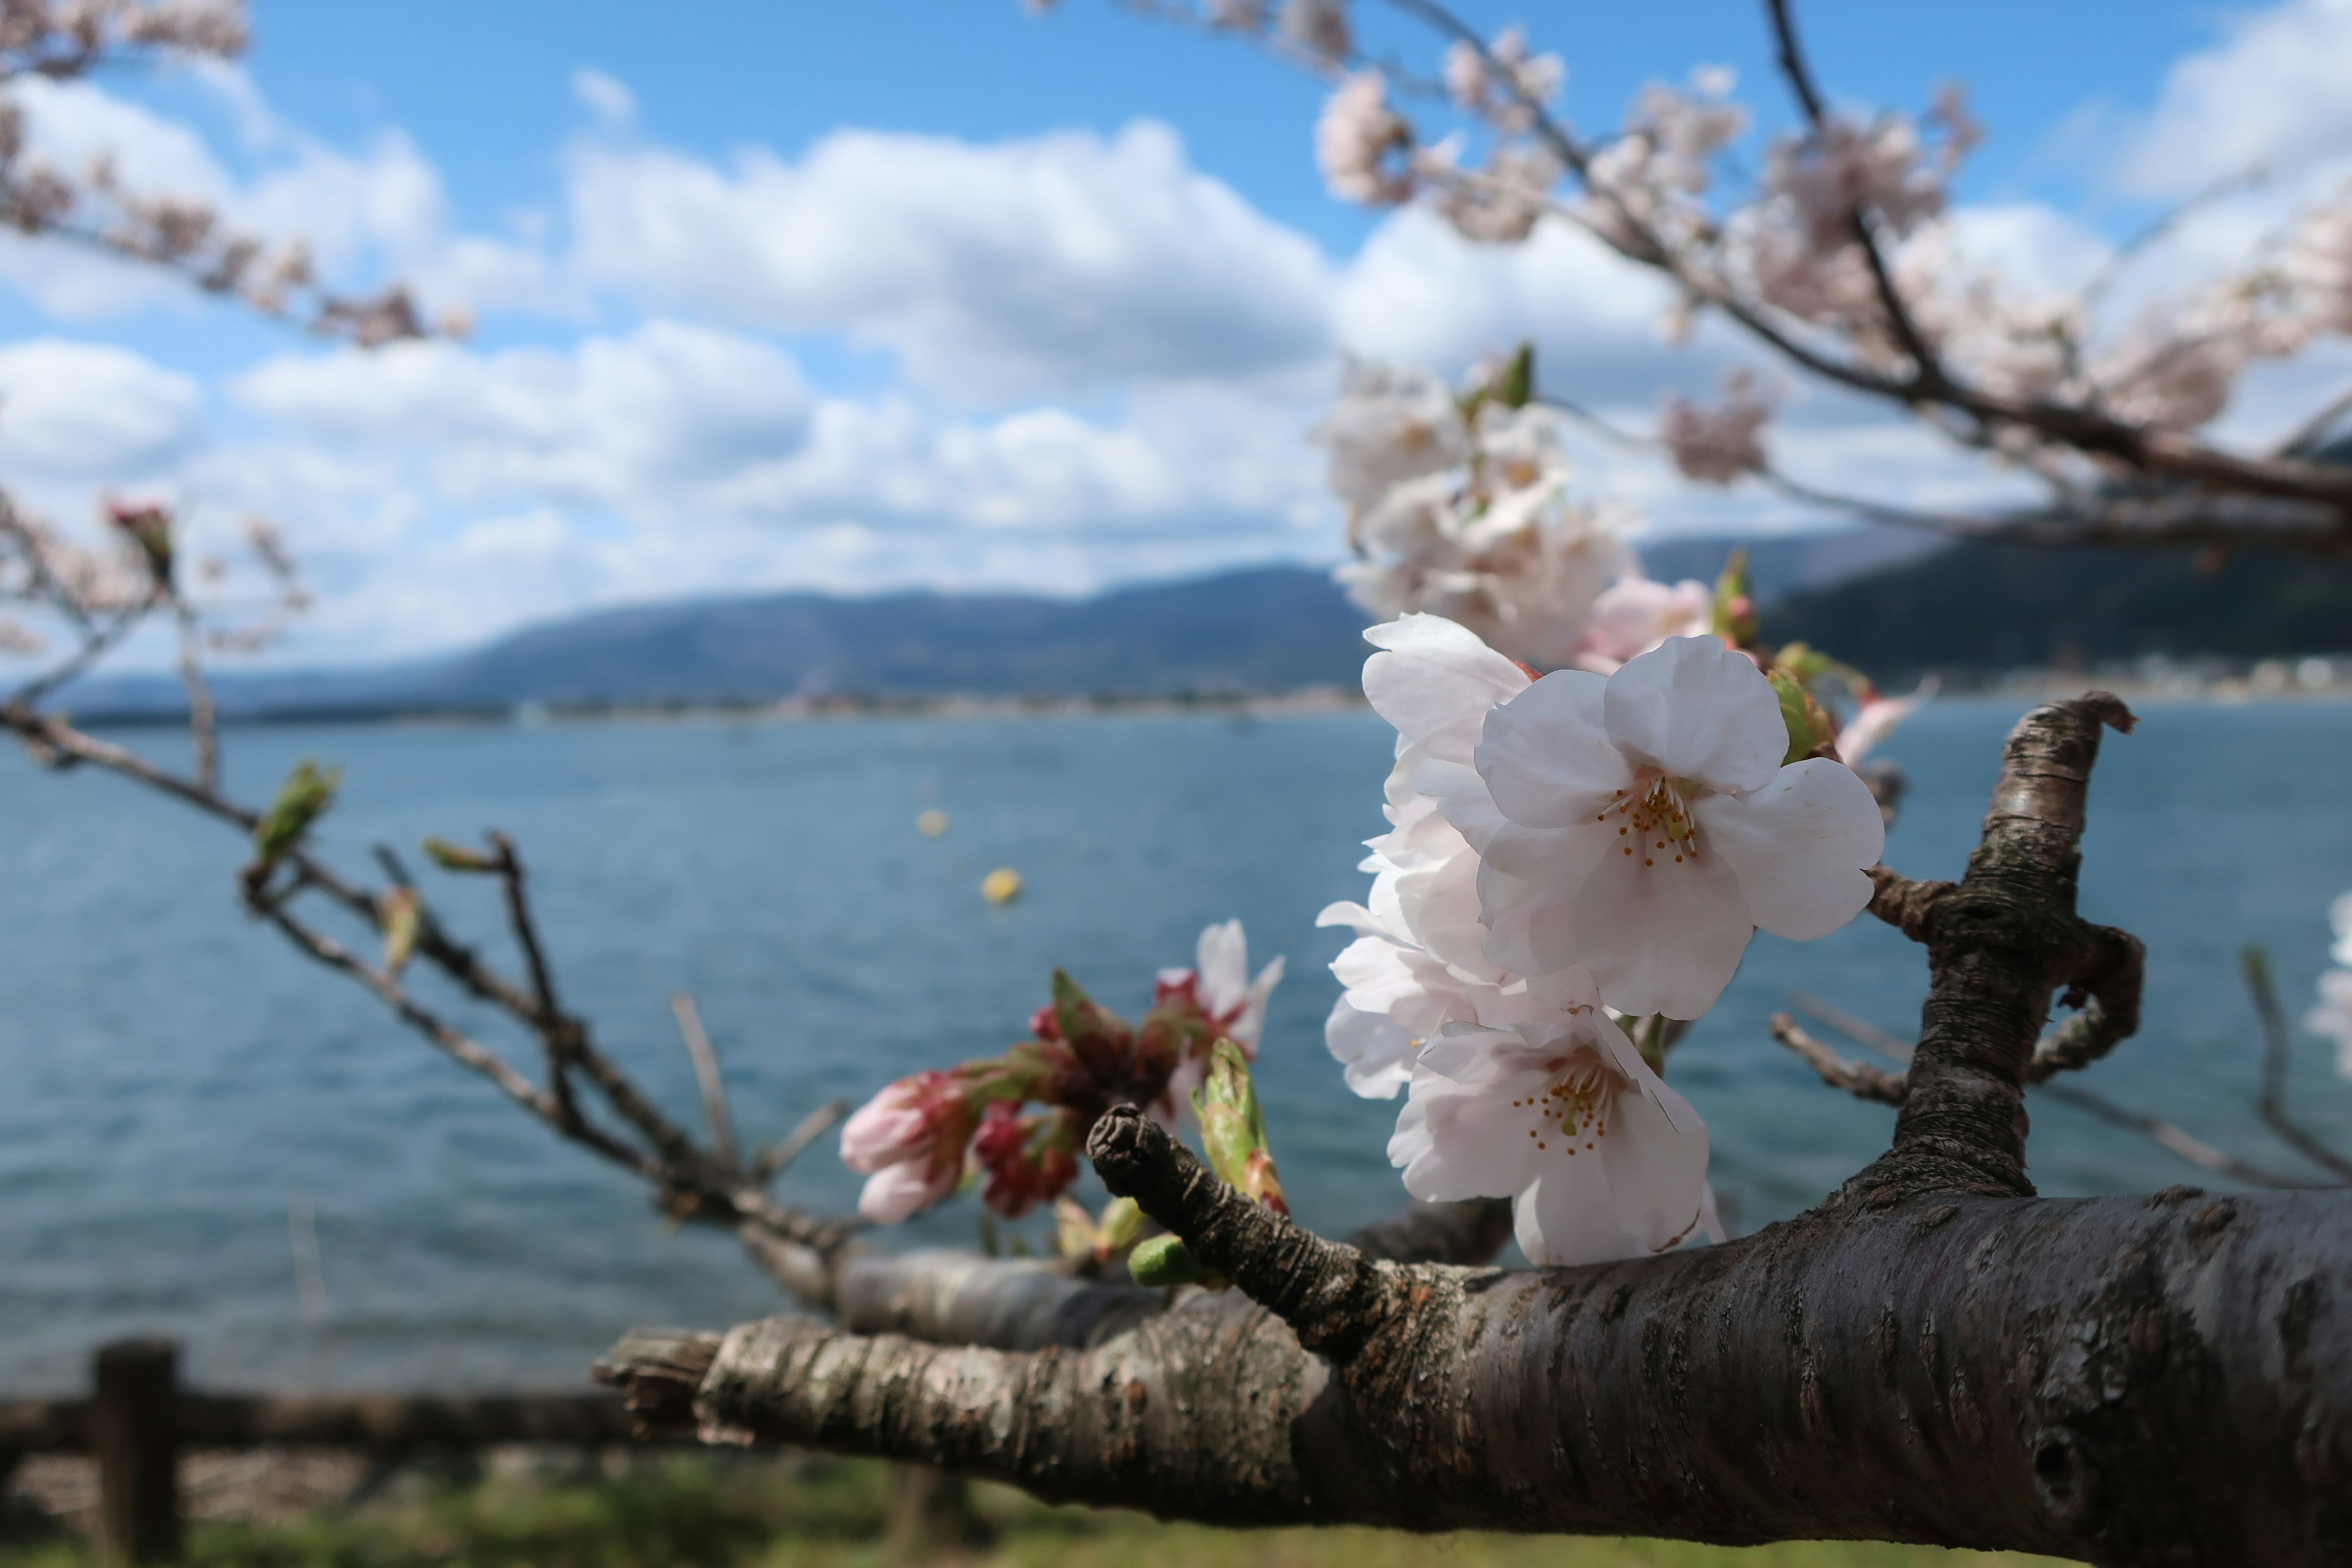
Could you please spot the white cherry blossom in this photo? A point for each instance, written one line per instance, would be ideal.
(1560, 1113)
(1419, 961)
(1234, 1003)
(1354, 139)
(1636, 615)
(1387, 426)
(1643, 825)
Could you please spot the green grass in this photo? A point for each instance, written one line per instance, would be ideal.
(689, 1513)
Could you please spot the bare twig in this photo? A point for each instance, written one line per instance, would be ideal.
(2272, 1102)
(777, 1158)
(204, 733)
(706, 1075)
(1857, 1078)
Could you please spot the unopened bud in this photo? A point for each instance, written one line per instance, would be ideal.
(1811, 733)
(457, 857)
(1233, 1128)
(399, 914)
(301, 800)
(1165, 1260)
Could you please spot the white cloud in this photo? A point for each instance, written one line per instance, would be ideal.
(606, 97)
(1058, 264)
(2271, 91)
(91, 412)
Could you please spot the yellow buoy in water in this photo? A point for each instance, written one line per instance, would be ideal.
(1001, 886)
(932, 823)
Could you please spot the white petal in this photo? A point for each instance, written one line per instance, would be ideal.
(1698, 710)
(1527, 885)
(1375, 1051)
(1464, 1140)
(1441, 911)
(1343, 913)
(1566, 1218)
(897, 1192)
(1546, 757)
(1462, 795)
(1224, 958)
(1664, 937)
(1657, 1173)
(1435, 681)
(1799, 846)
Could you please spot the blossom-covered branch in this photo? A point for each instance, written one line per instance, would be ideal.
(2124, 1380)
(1841, 261)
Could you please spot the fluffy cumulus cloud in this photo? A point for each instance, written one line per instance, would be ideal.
(92, 413)
(1088, 359)
(1054, 263)
(2271, 91)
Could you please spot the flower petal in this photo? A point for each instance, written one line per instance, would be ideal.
(899, 1191)
(1547, 756)
(1664, 937)
(1224, 961)
(1527, 884)
(1435, 681)
(1463, 1137)
(1657, 1172)
(1697, 710)
(1566, 1216)
(1799, 845)
(1374, 1050)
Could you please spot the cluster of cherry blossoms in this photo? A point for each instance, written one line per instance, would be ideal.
(1566, 854)
(917, 1140)
(1460, 506)
(2331, 1017)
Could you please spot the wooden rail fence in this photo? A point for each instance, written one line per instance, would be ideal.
(137, 1419)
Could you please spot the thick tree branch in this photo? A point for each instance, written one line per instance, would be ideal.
(1998, 942)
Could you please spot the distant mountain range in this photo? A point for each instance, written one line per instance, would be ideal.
(1887, 601)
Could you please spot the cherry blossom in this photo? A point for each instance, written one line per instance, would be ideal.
(1643, 825)
(1319, 27)
(1233, 1004)
(1716, 446)
(1560, 1113)
(2332, 1018)
(1419, 959)
(908, 1141)
(1876, 719)
(1635, 614)
(1355, 139)
(1844, 166)
(1388, 426)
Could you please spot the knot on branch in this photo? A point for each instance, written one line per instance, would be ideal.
(2108, 972)
(1905, 904)
(1331, 1295)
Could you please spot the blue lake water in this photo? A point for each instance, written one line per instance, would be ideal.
(172, 1077)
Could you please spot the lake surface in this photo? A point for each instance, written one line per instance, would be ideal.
(172, 1078)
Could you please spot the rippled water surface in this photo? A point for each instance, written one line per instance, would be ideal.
(172, 1078)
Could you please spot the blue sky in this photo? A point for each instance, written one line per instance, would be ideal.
(941, 291)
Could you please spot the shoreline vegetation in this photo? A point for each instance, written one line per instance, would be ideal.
(539, 1507)
(2156, 678)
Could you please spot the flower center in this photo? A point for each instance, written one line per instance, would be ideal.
(1653, 820)
(1572, 1109)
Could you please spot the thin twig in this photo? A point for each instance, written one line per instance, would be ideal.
(204, 733)
(2272, 1103)
(558, 1037)
(777, 1158)
(2194, 1150)
(96, 641)
(706, 1074)
(1860, 1079)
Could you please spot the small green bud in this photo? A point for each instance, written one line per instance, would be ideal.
(457, 857)
(399, 914)
(1517, 388)
(301, 800)
(1121, 1224)
(1233, 1127)
(1164, 1261)
(1809, 730)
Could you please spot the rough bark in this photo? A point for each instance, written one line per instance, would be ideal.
(1933, 1356)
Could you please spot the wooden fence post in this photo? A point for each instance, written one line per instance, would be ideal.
(134, 1431)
